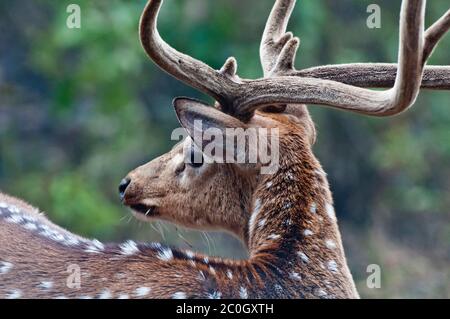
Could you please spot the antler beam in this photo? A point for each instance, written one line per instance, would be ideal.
(364, 75)
(375, 75)
(414, 49)
(336, 86)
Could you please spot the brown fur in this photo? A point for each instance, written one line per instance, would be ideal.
(215, 197)
(286, 220)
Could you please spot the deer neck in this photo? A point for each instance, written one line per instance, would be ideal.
(293, 224)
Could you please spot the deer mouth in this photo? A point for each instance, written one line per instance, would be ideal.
(144, 210)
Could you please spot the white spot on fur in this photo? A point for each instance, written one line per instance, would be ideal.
(278, 289)
(262, 222)
(179, 295)
(44, 227)
(294, 275)
(269, 185)
(290, 176)
(189, 254)
(165, 254)
(274, 236)
(287, 205)
(29, 219)
(30, 226)
(332, 266)
(14, 219)
(13, 209)
(214, 295)
(308, 232)
(142, 291)
(120, 275)
(129, 248)
(206, 260)
(46, 285)
(212, 270)
(243, 294)
(123, 296)
(281, 272)
(86, 297)
(179, 158)
(106, 294)
(330, 244)
(58, 237)
(14, 294)
(303, 257)
(95, 247)
(330, 212)
(313, 208)
(288, 222)
(3, 205)
(71, 241)
(320, 293)
(255, 213)
(229, 274)
(202, 275)
(5, 267)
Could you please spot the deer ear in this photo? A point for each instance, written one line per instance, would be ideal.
(208, 128)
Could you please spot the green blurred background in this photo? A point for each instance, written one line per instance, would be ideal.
(79, 108)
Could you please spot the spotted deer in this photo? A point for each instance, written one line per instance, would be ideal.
(285, 219)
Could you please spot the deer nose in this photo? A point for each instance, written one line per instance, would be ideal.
(123, 187)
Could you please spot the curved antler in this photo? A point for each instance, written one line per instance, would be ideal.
(434, 34)
(365, 75)
(284, 85)
(183, 67)
(415, 48)
(375, 75)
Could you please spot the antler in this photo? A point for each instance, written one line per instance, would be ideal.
(276, 42)
(365, 75)
(375, 75)
(284, 85)
(183, 67)
(415, 48)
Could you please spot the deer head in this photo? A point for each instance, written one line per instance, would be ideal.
(286, 218)
(204, 193)
(219, 196)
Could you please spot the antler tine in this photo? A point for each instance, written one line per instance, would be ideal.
(382, 75)
(284, 85)
(410, 57)
(183, 67)
(375, 75)
(275, 38)
(434, 34)
(412, 51)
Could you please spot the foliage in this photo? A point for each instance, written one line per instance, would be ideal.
(80, 108)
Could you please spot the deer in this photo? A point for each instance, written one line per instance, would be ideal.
(285, 219)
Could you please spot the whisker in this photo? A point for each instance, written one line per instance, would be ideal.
(161, 230)
(208, 244)
(152, 225)
(130, 218)
(183, 238)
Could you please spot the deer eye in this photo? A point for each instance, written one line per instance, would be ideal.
(195, 157)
